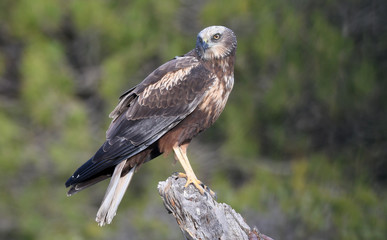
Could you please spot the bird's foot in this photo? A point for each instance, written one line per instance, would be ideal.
(197, 183)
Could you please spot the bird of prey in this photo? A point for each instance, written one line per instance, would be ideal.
(163, 113)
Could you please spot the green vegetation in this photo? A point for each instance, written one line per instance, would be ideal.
(300, 150)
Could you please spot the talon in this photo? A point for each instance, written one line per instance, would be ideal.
(175, 175)
(181, 175)
(197, 183)
(212, 193)
(181, 155)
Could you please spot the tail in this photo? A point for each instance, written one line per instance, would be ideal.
(114, 194)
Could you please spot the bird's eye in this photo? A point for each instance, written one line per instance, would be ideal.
(216, 36)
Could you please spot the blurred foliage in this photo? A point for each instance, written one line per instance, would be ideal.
(300, 150)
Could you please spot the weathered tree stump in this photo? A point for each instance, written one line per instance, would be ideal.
(200, 216)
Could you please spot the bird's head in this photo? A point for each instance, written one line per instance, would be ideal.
(215, 42)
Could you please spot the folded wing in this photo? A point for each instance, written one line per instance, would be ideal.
(148, 111)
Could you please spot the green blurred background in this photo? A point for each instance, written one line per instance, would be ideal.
(300, 150)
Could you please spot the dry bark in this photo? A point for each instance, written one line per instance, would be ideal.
(200, 216)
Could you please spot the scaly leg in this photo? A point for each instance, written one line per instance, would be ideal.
(181, 155)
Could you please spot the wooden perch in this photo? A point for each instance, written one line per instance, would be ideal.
(201, 217)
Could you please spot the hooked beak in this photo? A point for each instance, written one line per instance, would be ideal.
(205, 44)
(202, 44)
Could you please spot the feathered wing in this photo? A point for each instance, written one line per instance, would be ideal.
(145, 113)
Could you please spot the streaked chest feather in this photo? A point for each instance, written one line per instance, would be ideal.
(215, 99)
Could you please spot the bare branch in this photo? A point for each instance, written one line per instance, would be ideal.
(200, 216)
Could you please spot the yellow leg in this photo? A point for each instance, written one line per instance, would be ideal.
(181, 155)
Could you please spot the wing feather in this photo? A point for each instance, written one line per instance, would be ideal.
(148, 111)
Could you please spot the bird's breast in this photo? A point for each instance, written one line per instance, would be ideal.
(202, 117)
(216, 98)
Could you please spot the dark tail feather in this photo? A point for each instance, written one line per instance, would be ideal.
(82, 185)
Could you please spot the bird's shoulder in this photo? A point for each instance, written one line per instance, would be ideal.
(176, 69)
(175, 84)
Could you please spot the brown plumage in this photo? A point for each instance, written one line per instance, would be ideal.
(163, 113)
